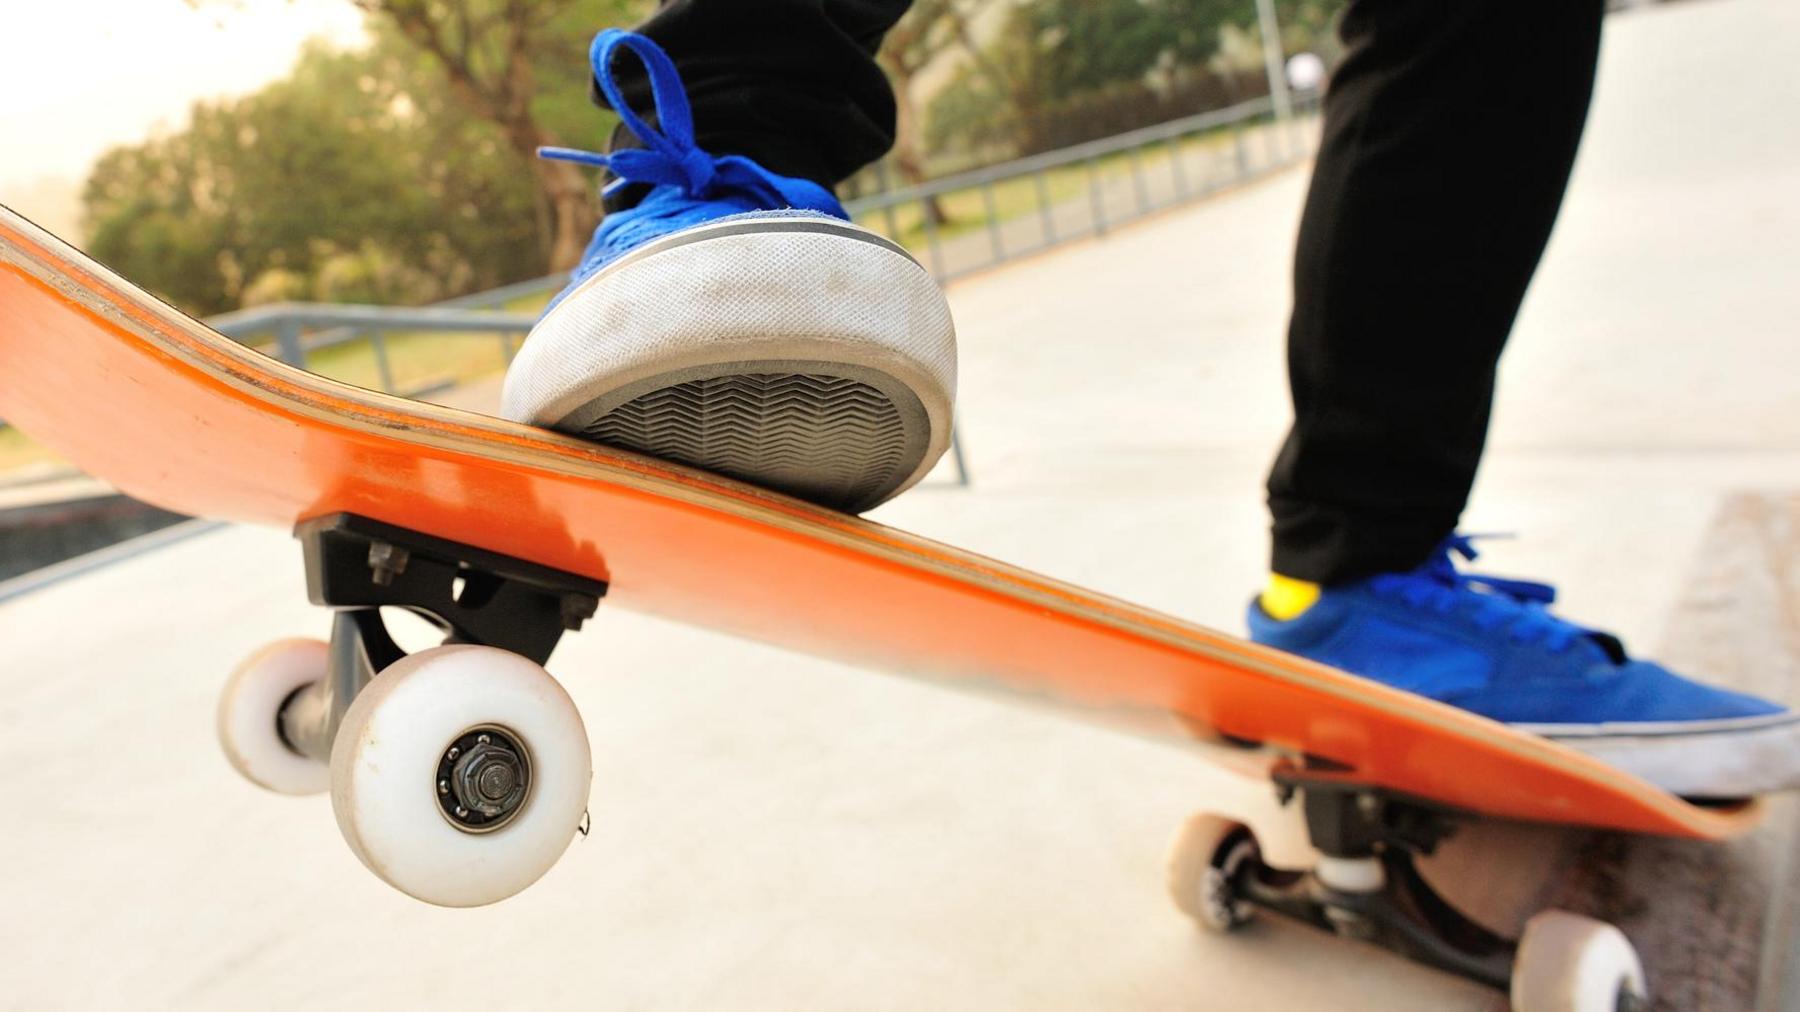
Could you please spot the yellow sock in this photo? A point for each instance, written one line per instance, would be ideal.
(1285, 598)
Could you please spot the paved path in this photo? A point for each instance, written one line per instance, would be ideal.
(774, 832)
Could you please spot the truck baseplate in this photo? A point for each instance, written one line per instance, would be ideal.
(357, 566)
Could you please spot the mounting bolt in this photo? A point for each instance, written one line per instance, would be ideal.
(577, 609)
(386, 561)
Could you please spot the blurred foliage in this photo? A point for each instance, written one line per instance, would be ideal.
(517, 64)
(403, 173)
(1059, 72)
(362, 175)
(929, 30)
(340, 155)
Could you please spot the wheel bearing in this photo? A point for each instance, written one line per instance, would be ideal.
(483, 778)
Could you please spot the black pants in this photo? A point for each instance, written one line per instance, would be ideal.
(1450, 129)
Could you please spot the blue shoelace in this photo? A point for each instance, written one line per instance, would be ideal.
(1492, 602)
(670, 156)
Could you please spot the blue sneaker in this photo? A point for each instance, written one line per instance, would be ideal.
(1490, 646)
(735, 320)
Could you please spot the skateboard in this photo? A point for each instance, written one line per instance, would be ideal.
(460, 773)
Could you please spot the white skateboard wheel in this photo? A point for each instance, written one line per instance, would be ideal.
(250, 714)
(460, 774)
(1571, 963)
(1206, 852)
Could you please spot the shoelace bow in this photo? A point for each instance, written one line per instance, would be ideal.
(670, 156)
(1520, 605)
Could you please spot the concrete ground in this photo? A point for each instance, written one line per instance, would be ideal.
(775, 832)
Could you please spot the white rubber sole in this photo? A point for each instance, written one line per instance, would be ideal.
(1722, 759)
(798, 352)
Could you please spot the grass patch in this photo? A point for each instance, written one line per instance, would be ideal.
(533, 304)
(17, 450)
(410, 360)
(417, 359)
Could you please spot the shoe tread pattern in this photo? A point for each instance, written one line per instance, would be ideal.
(831, 440)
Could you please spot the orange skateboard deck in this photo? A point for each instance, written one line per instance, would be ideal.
(135, 392)
(172, 413)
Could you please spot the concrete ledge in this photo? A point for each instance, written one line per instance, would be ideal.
(1714, 923)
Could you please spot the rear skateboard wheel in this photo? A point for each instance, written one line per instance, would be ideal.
(460, 774)
(249, 719)
(1204, 858)
(1570, 963)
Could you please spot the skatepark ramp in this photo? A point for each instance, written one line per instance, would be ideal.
(771, 831)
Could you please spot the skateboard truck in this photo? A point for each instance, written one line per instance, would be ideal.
(357, 566)
(458, 774)
(1366, 885)
(1339, 854)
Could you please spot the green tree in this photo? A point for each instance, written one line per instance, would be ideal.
(516, 64)
(1192, 26)
(1310, 25)
(1052, 59)
(520, 66)
(1048, 52)
(929, 29)
(353, 155)
(1070, 47)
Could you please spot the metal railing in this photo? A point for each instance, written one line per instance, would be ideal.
(294, 331)
(1105, 183)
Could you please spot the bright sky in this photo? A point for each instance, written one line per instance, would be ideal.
(77, 76)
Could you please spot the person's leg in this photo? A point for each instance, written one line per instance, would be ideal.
(728, 315)
(791, 83)
(1450, 130)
